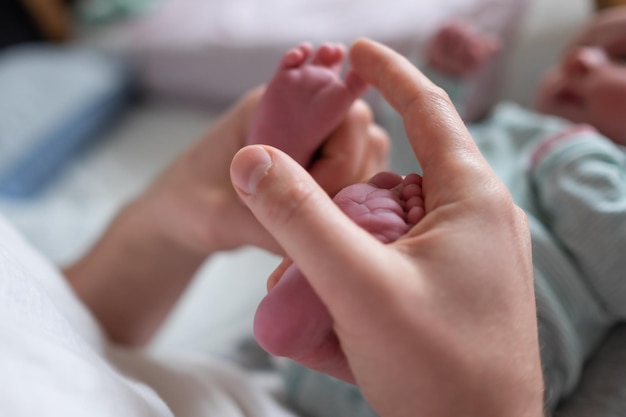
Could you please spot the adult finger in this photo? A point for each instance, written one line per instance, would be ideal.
(437, 134)
(353, 153)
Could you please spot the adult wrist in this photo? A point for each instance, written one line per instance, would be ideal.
(132, 277)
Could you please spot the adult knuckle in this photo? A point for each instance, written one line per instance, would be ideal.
(435, 96)
(500, 207)
(431, 99)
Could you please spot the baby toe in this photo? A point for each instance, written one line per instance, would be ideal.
(415, 214)
(411, 190)
(297, 56)
(330, 55)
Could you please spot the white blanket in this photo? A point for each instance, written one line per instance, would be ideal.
(53, 358)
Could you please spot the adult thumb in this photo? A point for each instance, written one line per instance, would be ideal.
(313, 231)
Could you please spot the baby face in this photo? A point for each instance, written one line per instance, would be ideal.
(588, 85)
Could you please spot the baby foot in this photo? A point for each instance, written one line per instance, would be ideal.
(291, 320)
(305, 101)
(459, 49)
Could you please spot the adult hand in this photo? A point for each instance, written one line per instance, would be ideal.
(442, 321)
(154, 246)
(194, 200)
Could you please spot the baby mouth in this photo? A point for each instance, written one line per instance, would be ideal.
(569, 97)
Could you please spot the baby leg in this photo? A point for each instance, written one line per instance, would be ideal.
(305, 101)
(291, 320)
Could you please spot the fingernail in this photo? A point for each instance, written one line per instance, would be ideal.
(251, 168)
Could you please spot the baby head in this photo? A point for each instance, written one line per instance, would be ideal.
(588, 85)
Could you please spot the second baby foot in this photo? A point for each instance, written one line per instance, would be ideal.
(291, 320)
(305, 101)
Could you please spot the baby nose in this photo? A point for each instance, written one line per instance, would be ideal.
(583, 59)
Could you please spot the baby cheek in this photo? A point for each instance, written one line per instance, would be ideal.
(613, 104)
(610, 113)
(612, 84)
